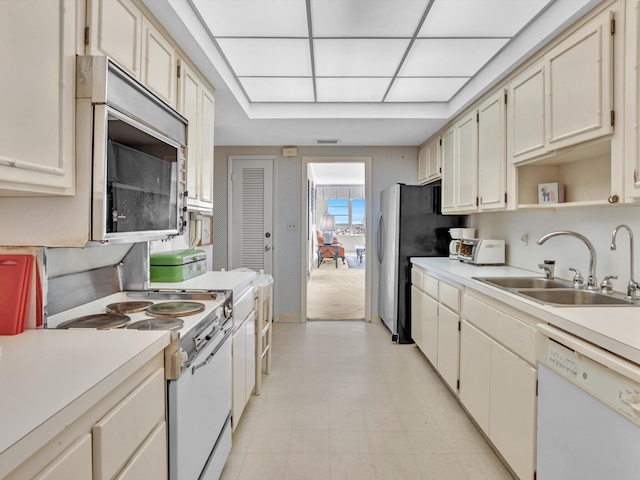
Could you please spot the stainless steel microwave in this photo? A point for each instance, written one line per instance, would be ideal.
(136, 144)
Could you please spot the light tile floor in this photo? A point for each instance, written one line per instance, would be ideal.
(344, 402)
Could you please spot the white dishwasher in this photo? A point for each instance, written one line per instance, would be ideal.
(588, 411)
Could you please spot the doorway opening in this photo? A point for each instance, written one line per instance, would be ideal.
(335, 255)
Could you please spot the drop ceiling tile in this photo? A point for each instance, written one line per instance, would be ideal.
(424, 89)
(351, 89)
(474, 18)
(366, 18)
(248, 18)
(449, 57)
(280, 89)
(358, 57)
(274, 57)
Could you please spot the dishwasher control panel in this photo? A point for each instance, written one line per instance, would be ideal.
(618, 392)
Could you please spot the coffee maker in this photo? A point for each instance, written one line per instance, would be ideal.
(457, 234)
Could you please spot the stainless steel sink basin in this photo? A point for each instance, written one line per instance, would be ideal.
(571, 297)
(523, 282)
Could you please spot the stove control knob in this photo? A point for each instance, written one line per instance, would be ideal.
(183, 357)
(228, 311)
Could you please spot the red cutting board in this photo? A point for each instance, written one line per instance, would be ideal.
(15, 278)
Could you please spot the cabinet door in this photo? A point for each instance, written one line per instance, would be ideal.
(115, 29)
(189, 107)
(512, 415)
(250, 372)
(238, 362)
(159, 65)
(475, 373)
(492, 152)
(526, 113)
(73, 464)
(416, 317)
(430, 328)
(150, 461)
(206, 142)
(466, 163)
(448, 345)
(422, 165)
(579, 74)
(433, 159)
(448, 170)
(37, 98)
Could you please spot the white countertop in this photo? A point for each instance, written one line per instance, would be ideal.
(236, 280)
(44, 374)
(614, 328)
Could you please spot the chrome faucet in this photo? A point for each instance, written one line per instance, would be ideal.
(632, 286)
(592, 283)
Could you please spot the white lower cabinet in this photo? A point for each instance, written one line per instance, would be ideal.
(430, 328)
(448, 345)
(512, 413)
(243, 354)
(475, 374)
(499, 391)
(239, 361)
(121, 437)
(416, 316)
(73, 464)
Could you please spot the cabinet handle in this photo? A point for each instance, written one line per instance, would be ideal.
(613, 199)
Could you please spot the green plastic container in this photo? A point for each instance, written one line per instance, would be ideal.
(177, 265)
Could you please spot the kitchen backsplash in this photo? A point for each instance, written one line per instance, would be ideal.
(596, 224)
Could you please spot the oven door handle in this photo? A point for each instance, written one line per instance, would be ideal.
(215, 350)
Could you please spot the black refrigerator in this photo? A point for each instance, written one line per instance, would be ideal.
(410, 224)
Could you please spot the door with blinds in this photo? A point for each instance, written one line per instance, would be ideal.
(251, 213)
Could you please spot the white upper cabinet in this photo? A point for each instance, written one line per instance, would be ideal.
(429, 161)
(526, 118)
(38, 98)
(579, 82)
(115, 30)
(632, 102)
(159, 66)
(196, 103)
(492, 152)
(448, 170)
(564, 98)
(466, 163)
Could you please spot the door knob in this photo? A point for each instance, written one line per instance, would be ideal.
(267, 248)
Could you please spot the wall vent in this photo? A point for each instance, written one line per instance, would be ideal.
(327, 141)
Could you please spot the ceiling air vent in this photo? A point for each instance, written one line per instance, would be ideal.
(327, 141)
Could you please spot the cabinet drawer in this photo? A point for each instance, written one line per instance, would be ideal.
(150, 461)
(243, 306)
(119, 434)
(416, 278)
(431, 286)
(450, 296)
(73, 464)
(511, 332)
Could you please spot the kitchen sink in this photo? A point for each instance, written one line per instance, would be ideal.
(523, 282)
(571, 297)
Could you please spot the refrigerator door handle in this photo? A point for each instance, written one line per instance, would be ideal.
(380, 237)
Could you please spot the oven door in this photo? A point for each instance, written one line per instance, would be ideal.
(137, 193)
(199, 404)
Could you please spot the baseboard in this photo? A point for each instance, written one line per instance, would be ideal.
(288, 318)
(376, 319)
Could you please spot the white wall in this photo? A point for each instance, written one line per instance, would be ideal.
(596, 224)
(390, 165)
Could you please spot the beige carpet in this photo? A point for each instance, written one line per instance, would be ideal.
(335, 293)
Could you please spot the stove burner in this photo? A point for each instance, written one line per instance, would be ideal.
(174, 309)
(157, 324)
(101, 321)
(128, 307)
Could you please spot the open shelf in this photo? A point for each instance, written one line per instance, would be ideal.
(584, 171)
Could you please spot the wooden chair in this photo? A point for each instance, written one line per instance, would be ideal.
(264, 329)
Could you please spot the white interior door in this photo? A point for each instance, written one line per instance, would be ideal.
(251, 213)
